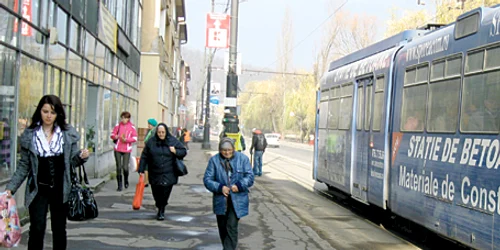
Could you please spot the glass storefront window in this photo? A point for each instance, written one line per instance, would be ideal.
(7, 113)
(99, 54)
(107, 127)
(7, 22)
(75, 36)
(35, 15)
(11, 4)
(57, 55)
(30, 86)
(62, 22)
(31, 45)
(75, 64)
(89, 47)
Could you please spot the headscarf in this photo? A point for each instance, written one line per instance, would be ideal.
(157, 138)
(225, 143)
(153, 122)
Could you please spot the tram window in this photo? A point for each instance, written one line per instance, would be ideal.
(453, 66)
(324, 95)
(422, 74)
(345, 113)
(346, 90)
(437, 71)
(413, 111)
(359, 117)
(474, 62)
(335, 92)
(368, 108)
(492, 56)
(333, 113)
(410, 76)
(323, 114)
(466, 26)
(443, 103)
(378, 106)
(480, 106)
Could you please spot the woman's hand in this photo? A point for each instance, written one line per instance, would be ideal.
(234, 188)
(9, 193)
(124, 139)
(172, 149)
(84, 153)
(225, 191)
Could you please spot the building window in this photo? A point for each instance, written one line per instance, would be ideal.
(62, 22)
(8, 71)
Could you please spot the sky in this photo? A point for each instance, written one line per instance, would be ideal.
(260, 24)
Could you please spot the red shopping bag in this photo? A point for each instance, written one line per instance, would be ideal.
(139, 193)
(10, 226)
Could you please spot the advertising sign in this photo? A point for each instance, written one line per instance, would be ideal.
(108, 28)
(26, 13)
(217, 32)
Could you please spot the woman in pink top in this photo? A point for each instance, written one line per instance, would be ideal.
(123, 135)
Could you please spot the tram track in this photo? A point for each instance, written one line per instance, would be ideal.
(397, 227)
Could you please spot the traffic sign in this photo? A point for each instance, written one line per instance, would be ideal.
(214, 99)
(217, 32)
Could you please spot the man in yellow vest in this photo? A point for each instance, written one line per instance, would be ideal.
(237, 137)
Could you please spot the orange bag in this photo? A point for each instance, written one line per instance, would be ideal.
(139, 193)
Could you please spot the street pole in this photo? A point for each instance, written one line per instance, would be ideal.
(206, 131)
(230, 118)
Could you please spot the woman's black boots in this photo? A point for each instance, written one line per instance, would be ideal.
(161, 213)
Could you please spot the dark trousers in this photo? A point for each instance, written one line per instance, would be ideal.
(161, 194)
(47, 198)
(228, 227)
(122, 161)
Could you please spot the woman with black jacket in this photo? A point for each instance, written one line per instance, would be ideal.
(160, 155)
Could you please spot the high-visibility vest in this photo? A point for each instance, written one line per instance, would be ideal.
(237, 142)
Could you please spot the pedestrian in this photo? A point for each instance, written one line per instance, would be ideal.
(123, 135)
(229, 176)
(185, 137)
(160, 155)
(49, 147)
(259, 143)
(151, 131)
(151, 127)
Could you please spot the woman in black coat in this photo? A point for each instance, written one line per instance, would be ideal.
(160, 155)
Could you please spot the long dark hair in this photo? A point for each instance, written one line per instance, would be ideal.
(57, 105)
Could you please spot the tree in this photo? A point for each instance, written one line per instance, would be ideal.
(447, 12)
(410, 20)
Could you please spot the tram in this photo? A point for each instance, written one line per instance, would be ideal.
(410, 125)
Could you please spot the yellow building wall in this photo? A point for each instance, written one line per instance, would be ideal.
(148, 93)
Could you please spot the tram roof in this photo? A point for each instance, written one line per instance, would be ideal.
(375, 48)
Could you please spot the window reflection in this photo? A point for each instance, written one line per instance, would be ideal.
(62, 20)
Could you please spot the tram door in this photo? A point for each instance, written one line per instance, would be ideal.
(361, 138)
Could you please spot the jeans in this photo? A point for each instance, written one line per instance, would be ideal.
(38, 209)
(228, 227)
(257, 163)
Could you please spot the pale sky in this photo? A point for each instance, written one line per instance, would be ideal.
(260, 24)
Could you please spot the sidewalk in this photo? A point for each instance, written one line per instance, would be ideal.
(189, 223)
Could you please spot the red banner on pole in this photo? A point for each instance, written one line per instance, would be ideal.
(26, 13)
(217, 32)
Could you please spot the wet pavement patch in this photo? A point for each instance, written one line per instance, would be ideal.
(199, 189)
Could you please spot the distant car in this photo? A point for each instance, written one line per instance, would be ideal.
(273, 140)
(197, 135)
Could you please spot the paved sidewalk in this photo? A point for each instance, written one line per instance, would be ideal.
(189, 223)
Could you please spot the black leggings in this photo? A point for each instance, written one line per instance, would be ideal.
(122, 161)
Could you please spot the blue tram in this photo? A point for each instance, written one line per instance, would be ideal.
(411, 124)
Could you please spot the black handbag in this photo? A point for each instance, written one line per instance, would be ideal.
(81, 202)
(180, 168)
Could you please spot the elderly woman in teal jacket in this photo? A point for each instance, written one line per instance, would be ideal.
(229, 176)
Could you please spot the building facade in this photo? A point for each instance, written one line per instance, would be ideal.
(84, 51)
(163, 81)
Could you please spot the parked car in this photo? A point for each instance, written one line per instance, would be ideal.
(197, 134)
(273, 140)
